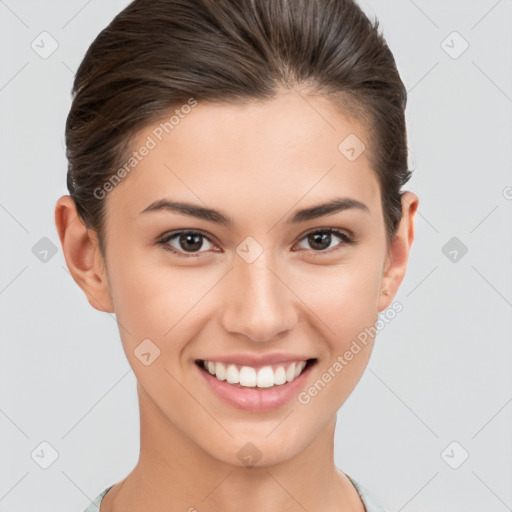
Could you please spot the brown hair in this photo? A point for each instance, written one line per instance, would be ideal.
(157, 54)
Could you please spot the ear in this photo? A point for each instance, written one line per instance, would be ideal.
(398, 253)
(82, 254)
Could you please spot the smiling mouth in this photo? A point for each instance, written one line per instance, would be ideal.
(270, 376)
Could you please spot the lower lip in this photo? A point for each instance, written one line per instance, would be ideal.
(253, 398)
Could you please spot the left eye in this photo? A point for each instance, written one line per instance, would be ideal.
(321, 239)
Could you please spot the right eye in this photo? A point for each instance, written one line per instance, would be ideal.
(184, 241)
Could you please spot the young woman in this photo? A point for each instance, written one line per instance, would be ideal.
(235, 174)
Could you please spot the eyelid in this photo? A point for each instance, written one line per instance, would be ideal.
(342, 231)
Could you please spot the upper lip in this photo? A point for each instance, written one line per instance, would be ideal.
(257, 360)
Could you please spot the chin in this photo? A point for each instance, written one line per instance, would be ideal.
(258, 450)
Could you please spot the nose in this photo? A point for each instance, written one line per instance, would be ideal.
(259, 302)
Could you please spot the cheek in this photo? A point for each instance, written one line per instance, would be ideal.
(344, 298)
(344, 303)
(156, 302)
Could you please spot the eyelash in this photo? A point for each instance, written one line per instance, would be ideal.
(163, 241)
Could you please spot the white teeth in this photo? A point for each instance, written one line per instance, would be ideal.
(265, 377)
(220, 371)
(248, 376)
(232, 374)
(290, 373)
(279, 376)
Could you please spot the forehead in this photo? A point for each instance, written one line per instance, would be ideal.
(266, 154)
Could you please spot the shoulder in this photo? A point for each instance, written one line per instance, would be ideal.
(94, 506)
(369, 503)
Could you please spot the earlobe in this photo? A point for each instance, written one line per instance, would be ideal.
(82, 255)
(398, 254)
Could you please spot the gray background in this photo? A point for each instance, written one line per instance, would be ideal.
(441, 370)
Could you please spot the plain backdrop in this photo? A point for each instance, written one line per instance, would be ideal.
(428, 427)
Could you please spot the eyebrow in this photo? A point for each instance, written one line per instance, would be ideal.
(338, 204)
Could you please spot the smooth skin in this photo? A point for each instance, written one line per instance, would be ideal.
(257, 164)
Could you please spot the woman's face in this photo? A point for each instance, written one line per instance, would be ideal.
(271, 283)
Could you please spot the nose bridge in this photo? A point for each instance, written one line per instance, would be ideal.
(260, 306)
